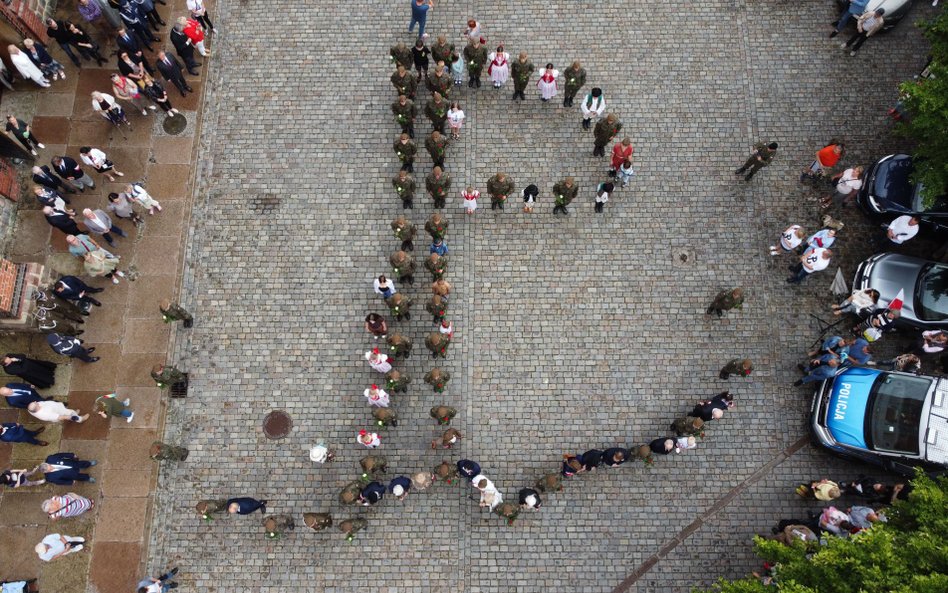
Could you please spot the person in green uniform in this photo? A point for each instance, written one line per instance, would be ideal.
(736, 366)
(604, 132)
(443, 414)
(475, 54)
(441, 50)
(209, 507)
(405, 150)
(439, 80)
(397, 381)
(405, 111)
(499, 187)
(437, 226)
(167, 375)
(564, 192)
(403, 266)
(575, 77)
(438, 307)
(438, 379)
(437, 146)
(763, 154)
(404, 82)
(372, 465)
(550, 483)
(436, 109)
(444, 471)
(350, 492)
(404, 229)
(438, 344)
(508, 511)
(400, 306)
(401, 55)
(317, 521)
(688, 426)
(438, 184)
(437, 265)
(275, 526)
(726, 300)
(162, 452)
(521, 70)
(385, 417)
(175, 312)
(350, 527)
(399, 346)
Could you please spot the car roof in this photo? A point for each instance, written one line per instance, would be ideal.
(936, 437)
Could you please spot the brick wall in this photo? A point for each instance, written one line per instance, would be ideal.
(26, 16)
(9, 272)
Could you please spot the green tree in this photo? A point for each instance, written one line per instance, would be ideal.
(909, 554)
(926, 101)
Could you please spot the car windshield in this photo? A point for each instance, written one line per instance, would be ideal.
(892, 181)
(931, 293)
(939, 204)
(895, 413)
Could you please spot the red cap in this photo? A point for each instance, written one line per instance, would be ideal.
(375, 350)
(375, 386)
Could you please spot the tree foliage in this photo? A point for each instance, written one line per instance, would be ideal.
(909, 554)
(926, 100)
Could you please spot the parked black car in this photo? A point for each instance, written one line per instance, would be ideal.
(887, 190)
(895, 10)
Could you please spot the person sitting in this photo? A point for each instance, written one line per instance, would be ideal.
(860, 302)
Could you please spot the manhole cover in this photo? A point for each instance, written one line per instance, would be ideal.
(277, 425)
(175, 124)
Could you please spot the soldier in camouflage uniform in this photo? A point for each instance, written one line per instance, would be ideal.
(520, 71)
(276, 525)
(438, 344)
(437, 226)
(397, 381)
(400, 306)
(450, 438)
(403, 265)
(438, 184)
(437, 265)
(167, 375)
(441, 50)
(317, 521)
(437, 146)
(401, 55)
(439, 80)
(405, 111)
(644, 453)
(350, 492)
(399, 346)
(436, 109)
(438, 379)
(475, 54)
(438, 307)
(405, 229)
(174, 312)
(210, 507)
(404, 82)
(550, 483)
(444, 471)
(372, 465)
(564, 192)
(575, 77)
(162, 452)
(763, 153)
(405, 150)
(604, 132)
(736, 366)
(385, 417)
(688, 426)
(499, 187)
(443, 414)
(350, 527)
(725, 301)
(508, 511)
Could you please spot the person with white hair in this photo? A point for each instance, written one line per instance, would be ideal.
(67, 505)
(399, 487)
(26, 67)
(56, 546)
(54, 411)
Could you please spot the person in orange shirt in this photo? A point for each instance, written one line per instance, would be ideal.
(826, 159)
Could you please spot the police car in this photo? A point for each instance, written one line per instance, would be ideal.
(896, 420)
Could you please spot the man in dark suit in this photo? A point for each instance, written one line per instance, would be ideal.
(71, 347)
(64, 469)
(184, 47)
(170, 68)
(21, 395)
(135, 21)
(43, 176)
(71, 173)
(61, 220)
(73, 289)
(126, 42)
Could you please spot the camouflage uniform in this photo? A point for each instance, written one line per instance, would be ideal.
(450, 438)
(404, 229)
(499, 189)
(438, 307)
(441, 52)
(162, 452)
(350, 493)
(209, 507)
(399, 305)
(317, 521)
(352, 526)
(563, 195)
(405, 153)
(736, 366)
(443, 414)
(436, 147)
(760, 158)
(475, 54)
(438, 378)
(437, 265)
(437, 226)
(575, 77)
(405, 84)
(403, 265)
(688, 426)
(725, 301)
(438, 188)
(401, 54)
(165, 375)
(444, 471)
(520, 71)
(604, 132)
(644, 453)
(175, 312)
(373, 464)
(399, 346)
(440, 84)
(276, 525)
(438, 344)
(396, 381)
(405, 116)
(550, 483)
(508, 511)
(384, 417)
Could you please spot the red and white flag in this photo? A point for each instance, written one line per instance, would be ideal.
(898, 301)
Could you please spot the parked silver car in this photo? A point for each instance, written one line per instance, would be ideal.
(925, 283)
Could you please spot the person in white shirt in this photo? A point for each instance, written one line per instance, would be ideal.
(812, 260)
(376, 396)
(384, 286)
(455, 119)
(849, 182)
(54, 545)
(199, 13)
(97, 159)
(490, 496)
(790, 239)
(25, 67)
(902, 229)
(54, 411)
(602, 195)
(593, 106)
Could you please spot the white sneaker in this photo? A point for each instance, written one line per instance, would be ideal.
(120, 273)
(144, 112)
(129, 419)
(115, 280)
(40, 145)
(33, 152)
(76, 548)
(126, 401)
(842, 45)
(152, 107)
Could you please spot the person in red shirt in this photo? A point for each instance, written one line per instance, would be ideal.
(621, 152)
(195, 32)
(826, 159)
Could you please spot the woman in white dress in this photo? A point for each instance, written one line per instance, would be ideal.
(499, 68)
(547, 82)
(25, 67)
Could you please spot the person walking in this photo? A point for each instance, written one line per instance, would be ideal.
(419, 15)
(136, 193)
(397, 382)
(99, 161)
(499, 66)
(110, 405)
(369, 440)
(867, 25)
(40, 57)
(99, 223)
(475, 54)
(404, 82)
(405, 111)
(14, 432)
(592, 107)
(575, 78)
(376, 396)
(403, 265)
(736, 366)
(455, 120)
(761, 157)
(23, 132)
(438, 184)
(403, 229)
(175, 312)
(450, 438)
(547, 82)
(499, 187)
(17, 478)
(604, 132)
(25, 67)
(602, 196)
(38, 373)
(400, 54)
(171, 70)
(443, 414)
(725, 301)
(521, 70)
(375, 324)
(469, 197)
(378, 361)
(853, 10)
(564, 192)
(56, 546)
(437, 265)
(71, 347)
(55, 412)
(246, 505)
(71, 173)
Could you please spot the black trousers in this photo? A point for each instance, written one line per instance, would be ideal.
(205, 21)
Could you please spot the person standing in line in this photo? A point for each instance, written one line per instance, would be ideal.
(185, 48)
(437, 226)
(39, 373)
(602, 195)
(761, 157)
(405, 230)
(404, 82)
(437, 145)
(99, 223)
(437, 265)
(399, 306)
(37, 54)
(25, 67)
(246, 506)
(437, 111)
(455, 120)
(499, 66)
(547, 82)
(438, 184)
(87, 47)
(170, 69)
(529, 195)
(621, 152)
(369, 440)
(575, 77)
(405, 150)
(405, 111)
(403, 265)
(457, 69)
(500, 186)
(475, 54)
(57, 30)
(199, 13)
(439, 247)
(71, 173)
(470, 195)
(592, 106)
(400, 55)
(419, 14)
(98, 161)
(377, 396)
(442, 51)
(155, 91)
(605, 130)
(521, 70)
(23, 132)
(375, 324)
(419, 56)
(56, 546)
(564, 192)
(439, 79)
(868, 24)
(71, 347)
(127, 90)
(378, 361)
(404, 185)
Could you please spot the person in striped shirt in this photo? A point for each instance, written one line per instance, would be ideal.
(67, 505)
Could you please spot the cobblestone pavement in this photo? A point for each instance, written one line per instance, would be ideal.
(571, 333)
